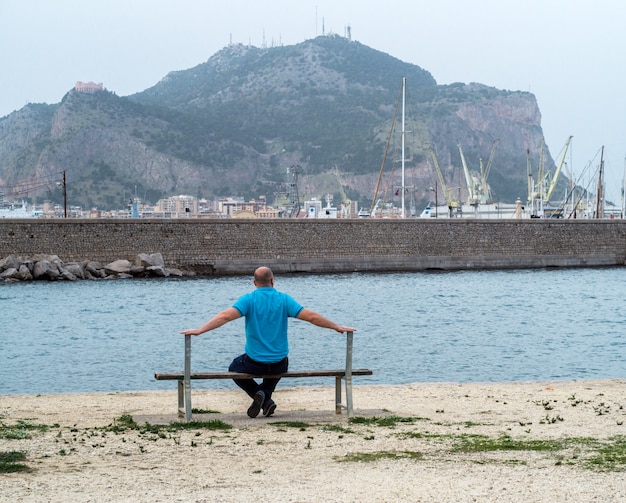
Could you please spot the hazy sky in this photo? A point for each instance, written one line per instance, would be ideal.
(570, 54)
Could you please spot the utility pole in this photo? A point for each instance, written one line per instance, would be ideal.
(64, 195)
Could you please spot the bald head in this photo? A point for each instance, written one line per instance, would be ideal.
(263, 276)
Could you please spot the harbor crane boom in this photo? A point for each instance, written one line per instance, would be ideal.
(485, 174)
(559, 166)
(477, 186)
(468, 177)
(345, 202)
(473, 197)
(446, 193)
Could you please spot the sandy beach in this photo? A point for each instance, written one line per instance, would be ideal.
(530, 442)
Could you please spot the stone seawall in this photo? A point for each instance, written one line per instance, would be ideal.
(238, 246)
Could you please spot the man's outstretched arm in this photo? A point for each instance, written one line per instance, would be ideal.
(218, 320)
(320, 321)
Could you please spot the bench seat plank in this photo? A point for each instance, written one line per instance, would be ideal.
(174, 376)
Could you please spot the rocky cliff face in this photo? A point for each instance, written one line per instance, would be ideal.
(234, 125)
(512, 118)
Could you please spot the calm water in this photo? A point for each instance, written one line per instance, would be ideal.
(457, 326)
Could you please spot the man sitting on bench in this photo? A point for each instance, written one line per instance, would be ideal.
(266, 311)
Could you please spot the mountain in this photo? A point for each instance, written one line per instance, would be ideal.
(234, 124)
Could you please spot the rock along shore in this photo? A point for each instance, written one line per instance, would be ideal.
(51, 268)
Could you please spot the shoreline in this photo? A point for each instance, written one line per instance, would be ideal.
(411, 442)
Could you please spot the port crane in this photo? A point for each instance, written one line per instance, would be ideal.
(447, 194)
(559, 166)
(345, 201)
(545, 182)
(293, 197)
(484, 174)
(473, 184)
(477, 186)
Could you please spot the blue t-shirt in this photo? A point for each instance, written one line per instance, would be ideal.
(266, 311)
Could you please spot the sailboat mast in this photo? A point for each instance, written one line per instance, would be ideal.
(600, 193)
(403, 135)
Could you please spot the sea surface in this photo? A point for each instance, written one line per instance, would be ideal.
(465, 326)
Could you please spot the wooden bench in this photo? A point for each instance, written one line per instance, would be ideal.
(184, 379)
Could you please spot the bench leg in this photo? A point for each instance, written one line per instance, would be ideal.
(181, 399)
(349, 395)
(348, 378)
(187, 380)
(338, 405)
(349, 342)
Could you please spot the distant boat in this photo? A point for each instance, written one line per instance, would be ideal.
(14, 211)
(314, 208)
(363, 213)
(493, 210)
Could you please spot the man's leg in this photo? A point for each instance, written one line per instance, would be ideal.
(241, 364)
(269, 385)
